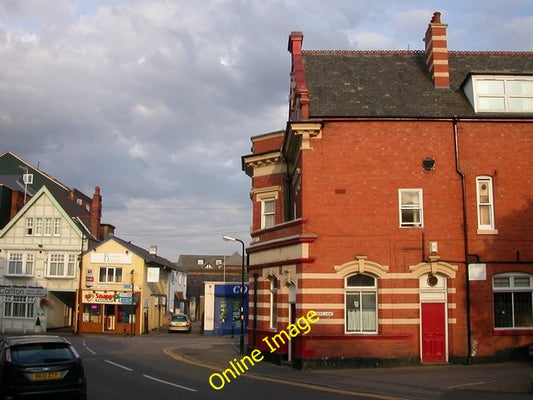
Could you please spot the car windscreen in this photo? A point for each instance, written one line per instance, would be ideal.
(179, 318)
(41, 353)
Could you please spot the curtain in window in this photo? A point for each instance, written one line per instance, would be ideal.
(361, 312)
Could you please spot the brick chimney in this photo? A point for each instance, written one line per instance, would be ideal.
(299, 94)
(96, 212)
(437, 52)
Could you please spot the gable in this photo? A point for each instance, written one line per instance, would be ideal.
(42, 219)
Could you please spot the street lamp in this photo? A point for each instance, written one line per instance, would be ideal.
(232, 239)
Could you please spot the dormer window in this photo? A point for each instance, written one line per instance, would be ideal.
(499, 93)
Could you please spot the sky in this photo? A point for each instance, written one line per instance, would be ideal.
(155, 101)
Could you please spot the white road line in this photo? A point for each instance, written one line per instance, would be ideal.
(88, 349)
(118, 365)
(170, 383)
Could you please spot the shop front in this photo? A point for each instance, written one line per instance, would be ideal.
(223, 308)
(107, 311)
(23, 309)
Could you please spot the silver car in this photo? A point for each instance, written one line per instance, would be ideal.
(179, 323)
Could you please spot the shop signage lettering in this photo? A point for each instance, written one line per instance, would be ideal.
(29, 291)
(111, 258)
(238, 289)
(89, 277)
(106, 297)
(238, 367)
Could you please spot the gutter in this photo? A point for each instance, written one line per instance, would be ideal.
(465, 242)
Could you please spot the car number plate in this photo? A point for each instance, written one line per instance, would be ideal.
(45, 376)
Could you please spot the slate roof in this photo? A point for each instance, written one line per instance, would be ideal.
(397, 84)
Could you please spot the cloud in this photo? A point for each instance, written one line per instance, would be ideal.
(155, 101)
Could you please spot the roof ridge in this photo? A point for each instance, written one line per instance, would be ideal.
(492, 52)
(377, 52)
(417, 52)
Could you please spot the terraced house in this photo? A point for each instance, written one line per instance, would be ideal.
(397, 204)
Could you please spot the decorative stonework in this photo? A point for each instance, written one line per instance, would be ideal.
(269, 162)
(433, 267)
(308, 131)
(362, 266)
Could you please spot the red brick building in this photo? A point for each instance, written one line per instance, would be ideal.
(398, 205)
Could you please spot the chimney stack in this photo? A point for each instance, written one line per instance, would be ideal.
(299, 96)
(437, 52)
(96, 212)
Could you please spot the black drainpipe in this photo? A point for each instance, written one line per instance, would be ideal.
(465, 239)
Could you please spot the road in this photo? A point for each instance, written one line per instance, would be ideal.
(143, 367)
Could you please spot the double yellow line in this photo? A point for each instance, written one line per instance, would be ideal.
(168, 351)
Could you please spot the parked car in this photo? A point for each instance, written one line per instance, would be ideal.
(179, 323)
(40, 366)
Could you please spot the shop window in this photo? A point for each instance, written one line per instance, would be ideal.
(513, 304)
(19, 307)
(92, 313)
(361, 304)
(124, 313)
(411, 214)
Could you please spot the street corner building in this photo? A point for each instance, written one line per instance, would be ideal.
(398, 204)
(44, 227)
(125, 289)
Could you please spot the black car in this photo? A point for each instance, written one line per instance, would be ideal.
(40, 367)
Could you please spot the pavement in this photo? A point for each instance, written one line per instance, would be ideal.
(507, 380)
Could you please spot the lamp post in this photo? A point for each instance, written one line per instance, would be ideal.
(232, 239)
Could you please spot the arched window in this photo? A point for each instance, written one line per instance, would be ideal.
(513, 306)
(361, 304)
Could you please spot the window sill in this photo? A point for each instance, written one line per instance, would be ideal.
(487, 231)
(513, 332)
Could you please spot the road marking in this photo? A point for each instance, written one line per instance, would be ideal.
(118, 365)
(170, 383)
(88, 349)
(471, 384)
(168, 352)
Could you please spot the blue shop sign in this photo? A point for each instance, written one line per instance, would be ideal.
(230, 290)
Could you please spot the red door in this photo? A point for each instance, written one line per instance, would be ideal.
(433, 333)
